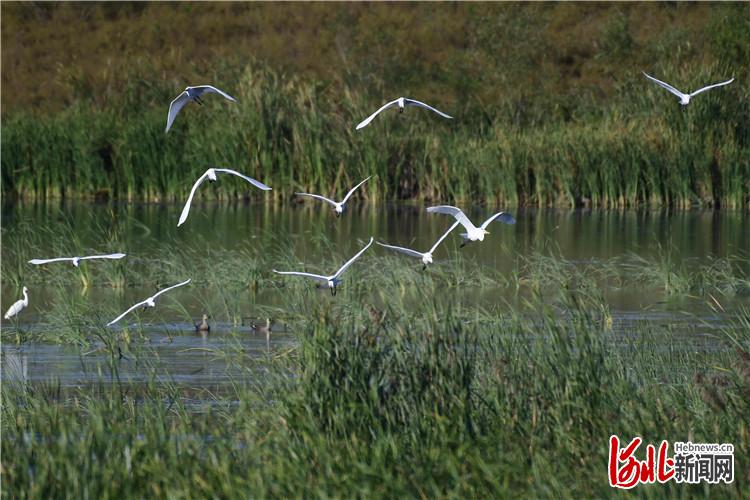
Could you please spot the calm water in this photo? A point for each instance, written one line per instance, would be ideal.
(179, 355)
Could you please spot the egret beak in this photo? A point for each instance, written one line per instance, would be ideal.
(424, 267)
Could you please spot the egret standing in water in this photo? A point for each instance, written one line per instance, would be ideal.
(338, 206)
(473, 233)
(210, 174)
(685, 98)
(192, 94)
(149, 302)
(401, 102)
(19, 305)
(77, 260)
(426, 256)
(333, 280)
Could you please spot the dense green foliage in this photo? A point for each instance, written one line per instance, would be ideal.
(549, 102)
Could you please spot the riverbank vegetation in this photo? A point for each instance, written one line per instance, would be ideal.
(549, 102)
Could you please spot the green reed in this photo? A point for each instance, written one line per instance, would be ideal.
(294, 134)
(447, 401)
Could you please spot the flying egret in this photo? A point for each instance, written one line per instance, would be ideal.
(192, 94)
(333, 280)
(685, 98)
(19, 305)
(426, 256)
(210, 174)
(77, 260)
(337, 206)
(149, 302)
(473, 233)
(401, 102)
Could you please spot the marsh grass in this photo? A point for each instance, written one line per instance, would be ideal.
(439, 403)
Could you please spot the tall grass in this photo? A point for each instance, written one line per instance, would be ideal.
(435, 403)
(639, 149)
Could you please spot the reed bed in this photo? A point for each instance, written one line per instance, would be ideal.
(448, 401)
(639, 149)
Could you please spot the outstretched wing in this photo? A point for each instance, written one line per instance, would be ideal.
(407, 251)
(354, 189)
(186, 208)
(317, 196)
(367, 120)
(252, 181)
(47, 261)
(350, 261)
(414, 102)
(204, 89)
(170, 288)
(503, 217)
(139, 304)
(665, 85)
(438, 242)
(710, 87)
(307, 275)
(175, 108)
(455, 212)
(110, 256)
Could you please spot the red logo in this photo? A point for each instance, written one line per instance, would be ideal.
(626, 471)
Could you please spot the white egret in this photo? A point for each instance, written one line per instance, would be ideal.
(192, 94)
(333, 280)
(426, 256)
(19, 305)
(401, 102)
(685, 98)
(77, 260)
(210, 174)
(338, 206)
(149, 302)
(473, 233)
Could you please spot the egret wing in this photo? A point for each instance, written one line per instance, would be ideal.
(139, 304)
(354, 189)
(186, 208)
(175, 107)
(414, 102)
(307, 275)
(367, 120)
(710, 87)
(14, 309)
(317, 196)
(170, 288)
(109, 256)
(252, 181)
(350, 261)
(407, 251)
(455, 212)
(438, 242)
(665, 85)
(47, 261)
(503, 217)
(202, 89)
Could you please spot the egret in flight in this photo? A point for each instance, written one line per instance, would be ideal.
(149, 302)
(473, 233)
(19, 305)
(333, 280)
(401, 102)
(77, 260)
(426, 256)
(338, 206)
(685, 98)
(192, 94)
(210, 174)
